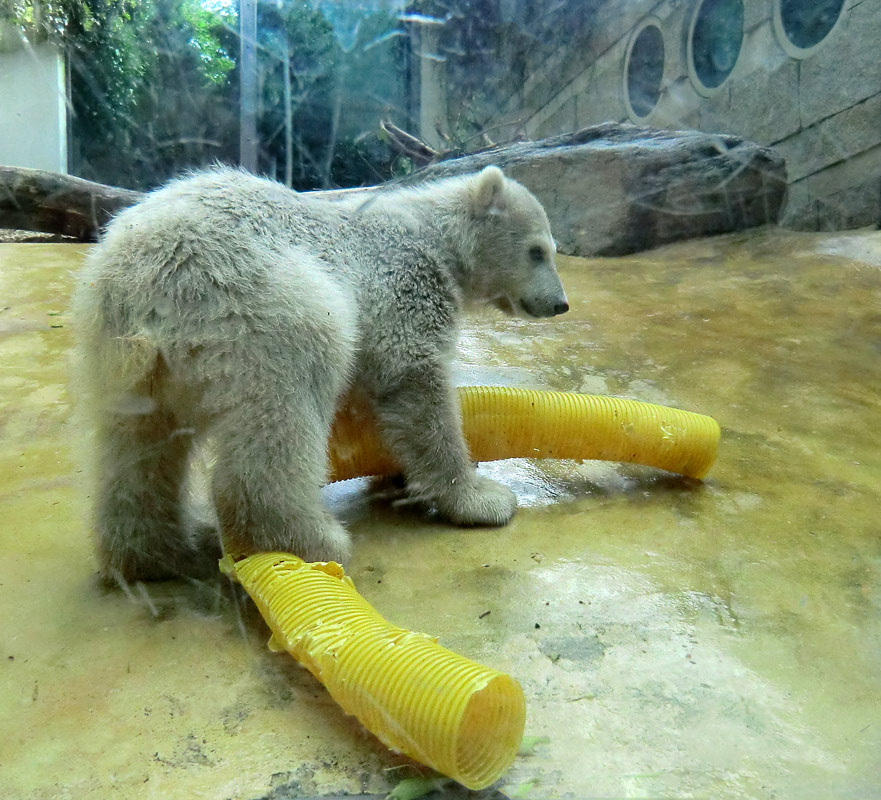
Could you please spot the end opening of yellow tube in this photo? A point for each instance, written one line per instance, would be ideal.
(490, 732)
(451, 713)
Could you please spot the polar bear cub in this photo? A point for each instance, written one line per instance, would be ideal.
(227, 305)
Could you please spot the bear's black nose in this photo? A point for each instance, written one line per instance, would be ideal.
(561, 308)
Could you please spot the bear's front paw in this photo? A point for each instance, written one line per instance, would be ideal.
(478, 501)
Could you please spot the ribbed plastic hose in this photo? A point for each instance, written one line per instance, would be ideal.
(501, 422)
(461, 718)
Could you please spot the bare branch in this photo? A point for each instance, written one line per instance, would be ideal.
(409, 145)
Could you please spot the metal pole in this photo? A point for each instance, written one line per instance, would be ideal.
(248, 73)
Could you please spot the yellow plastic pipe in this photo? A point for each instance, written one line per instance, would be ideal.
(502, 422)
(457, 716)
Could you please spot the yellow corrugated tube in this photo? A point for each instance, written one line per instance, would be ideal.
(457, 716)
(461, 718)
(501, 422)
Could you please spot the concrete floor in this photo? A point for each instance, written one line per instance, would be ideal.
(674, 639)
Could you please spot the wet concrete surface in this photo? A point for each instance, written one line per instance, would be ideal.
(673, 638)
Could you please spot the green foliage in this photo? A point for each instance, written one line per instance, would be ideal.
(154, 86)
(416, 788)
(147, 78)
(208, 26)
(529, 743)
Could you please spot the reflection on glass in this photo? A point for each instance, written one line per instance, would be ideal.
(716, 40)
(645, 70)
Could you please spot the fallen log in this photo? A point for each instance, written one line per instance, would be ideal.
(36, 200)
(609, 189)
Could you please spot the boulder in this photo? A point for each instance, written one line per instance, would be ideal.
(616, 188)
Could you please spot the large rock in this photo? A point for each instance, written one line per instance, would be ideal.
(617, 188)
(608, 190)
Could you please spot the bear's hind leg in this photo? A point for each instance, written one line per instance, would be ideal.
(271, 465)
(139, 510)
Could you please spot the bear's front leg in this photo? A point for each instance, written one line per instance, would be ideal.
(420, 422)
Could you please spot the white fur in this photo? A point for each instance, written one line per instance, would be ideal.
(227, 305)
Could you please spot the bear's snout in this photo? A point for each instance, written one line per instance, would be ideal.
(544, 308)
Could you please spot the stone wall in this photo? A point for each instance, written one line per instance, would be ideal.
(819, 105)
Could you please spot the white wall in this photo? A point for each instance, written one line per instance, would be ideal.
(33, 115)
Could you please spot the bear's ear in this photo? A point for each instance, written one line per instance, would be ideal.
(489, 191)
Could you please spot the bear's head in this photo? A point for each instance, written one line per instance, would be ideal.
(513, 250)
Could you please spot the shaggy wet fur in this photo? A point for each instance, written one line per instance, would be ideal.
(227, 305)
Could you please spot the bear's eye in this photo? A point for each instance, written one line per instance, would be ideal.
(536, 254)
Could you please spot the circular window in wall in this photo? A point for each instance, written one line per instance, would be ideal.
(801, 26)
(644, 69)
(714, 40)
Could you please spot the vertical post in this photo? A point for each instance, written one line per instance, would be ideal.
(248, 85)
(288, 116)
(413, 78)
(433, 86)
